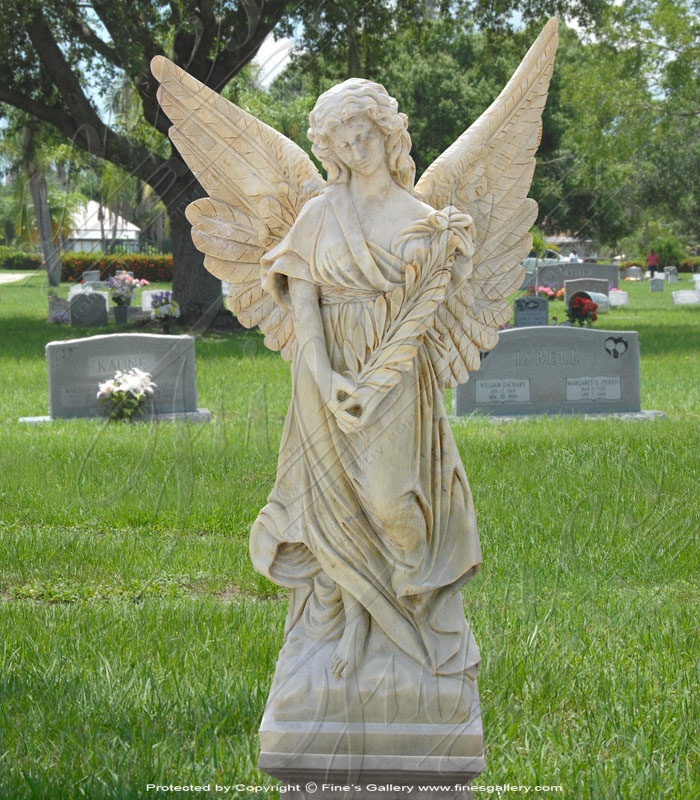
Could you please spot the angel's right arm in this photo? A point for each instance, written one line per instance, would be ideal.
(308, 326)
(336, 390)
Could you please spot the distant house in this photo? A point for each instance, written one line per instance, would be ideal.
(90, 233)
(567, 242)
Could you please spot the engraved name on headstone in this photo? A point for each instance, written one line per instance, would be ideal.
(554, 275)
(528, 311)
(555, 370)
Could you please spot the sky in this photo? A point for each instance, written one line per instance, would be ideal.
(273, 57)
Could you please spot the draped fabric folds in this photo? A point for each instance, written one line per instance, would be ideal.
(386, 513)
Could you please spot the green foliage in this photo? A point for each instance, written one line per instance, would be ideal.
(670, 251)
(13, 259)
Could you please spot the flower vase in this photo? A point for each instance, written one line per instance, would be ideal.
(121, 315)
(166, 325)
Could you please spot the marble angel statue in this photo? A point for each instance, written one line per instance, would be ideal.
(380, 293)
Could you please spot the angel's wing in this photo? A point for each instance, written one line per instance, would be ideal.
(257, 181)
(487, 173)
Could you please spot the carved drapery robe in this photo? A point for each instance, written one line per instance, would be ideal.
(386, 512)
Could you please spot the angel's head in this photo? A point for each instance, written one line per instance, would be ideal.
(357, 123)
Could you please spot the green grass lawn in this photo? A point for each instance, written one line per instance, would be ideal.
(139, 644)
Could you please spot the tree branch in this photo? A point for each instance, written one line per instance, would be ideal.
(231, 60)
(146, 85)
(51, 114)
(87, 35)
(82, 124)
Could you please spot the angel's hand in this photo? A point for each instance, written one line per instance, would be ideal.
(362, 406)
(341, 399)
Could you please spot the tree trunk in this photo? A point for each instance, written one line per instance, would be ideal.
(40, 200)
(196, 290)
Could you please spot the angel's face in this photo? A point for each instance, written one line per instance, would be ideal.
(359, 144)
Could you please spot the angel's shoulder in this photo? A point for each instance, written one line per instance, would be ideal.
(312, 211)
(416, 207)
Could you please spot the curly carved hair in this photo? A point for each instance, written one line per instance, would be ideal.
(349, 99)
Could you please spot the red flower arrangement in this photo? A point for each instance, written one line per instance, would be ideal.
(582, 311)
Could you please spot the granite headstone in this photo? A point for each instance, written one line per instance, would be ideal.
(88, 309)
(619, 298)
(528, 311)
(555, 370)
(671, 274)
(686, 297)
(597, 285)
(554, 275)
(77, 366)
(656, 284)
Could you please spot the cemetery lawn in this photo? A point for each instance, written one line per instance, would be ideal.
(139, 644)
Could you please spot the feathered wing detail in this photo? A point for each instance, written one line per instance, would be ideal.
(487, 173)
(257, 181)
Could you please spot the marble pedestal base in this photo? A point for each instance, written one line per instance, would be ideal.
(373, 761)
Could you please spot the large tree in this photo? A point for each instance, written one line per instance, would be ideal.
(58, 56)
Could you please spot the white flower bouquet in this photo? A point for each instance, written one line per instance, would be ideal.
(127, 394)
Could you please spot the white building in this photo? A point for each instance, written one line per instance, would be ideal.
(567, 243)
(88, 234)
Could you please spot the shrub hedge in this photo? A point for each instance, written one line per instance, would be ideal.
(153, 268)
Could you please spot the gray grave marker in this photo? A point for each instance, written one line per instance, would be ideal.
(656, 284)
(88, 309)
(554, 275)
(635, 272)
(77, 366)
(555, 370)
(671, 274)
(597, 285)
(619, 298)
(686, 297)
(528, 311)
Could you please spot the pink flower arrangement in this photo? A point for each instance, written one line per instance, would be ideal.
(122, 288)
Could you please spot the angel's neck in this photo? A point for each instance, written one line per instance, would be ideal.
(369, 187)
